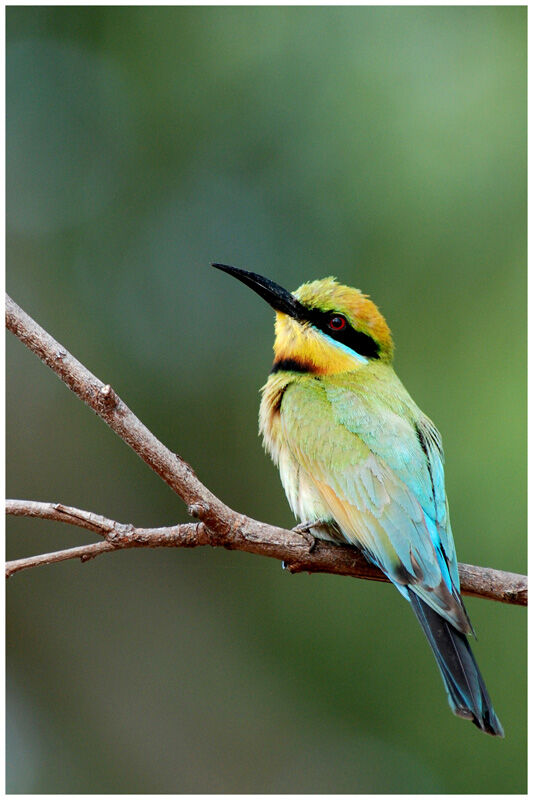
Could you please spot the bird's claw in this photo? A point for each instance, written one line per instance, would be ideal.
(305, 530)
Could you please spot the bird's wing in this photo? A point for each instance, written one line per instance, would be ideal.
(437, 512)
(373, 506)
(391, 424)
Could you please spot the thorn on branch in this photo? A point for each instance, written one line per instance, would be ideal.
(196, 510)
(107, 398)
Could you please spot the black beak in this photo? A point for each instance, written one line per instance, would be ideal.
(280, 299)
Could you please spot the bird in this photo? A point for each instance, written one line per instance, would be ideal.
(362, 465)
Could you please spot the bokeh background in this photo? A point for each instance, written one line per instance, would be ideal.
(386, 146)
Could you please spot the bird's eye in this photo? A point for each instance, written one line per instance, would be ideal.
(337, 322)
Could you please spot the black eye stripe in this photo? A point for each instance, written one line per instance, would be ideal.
(361, 343)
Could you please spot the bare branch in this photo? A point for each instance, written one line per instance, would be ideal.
(106, 403)
(117, 536)
(60, 513)
(85, 552)
(221, 525)
(291, 547)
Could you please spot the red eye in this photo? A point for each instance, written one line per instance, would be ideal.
(337, 322)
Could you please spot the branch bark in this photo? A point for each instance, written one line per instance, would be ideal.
(117, 536)
(219, 525)
(292, 547)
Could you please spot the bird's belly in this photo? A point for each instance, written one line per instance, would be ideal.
(303, 496)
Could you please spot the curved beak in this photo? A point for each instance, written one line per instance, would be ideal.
(280, 299)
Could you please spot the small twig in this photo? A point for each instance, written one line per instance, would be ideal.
(85, 552)
(117, 536)
(60, 513)
(221, 525)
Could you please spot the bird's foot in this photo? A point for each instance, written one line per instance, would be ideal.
(313, 530)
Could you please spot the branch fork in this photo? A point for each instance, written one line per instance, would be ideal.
(218, 525)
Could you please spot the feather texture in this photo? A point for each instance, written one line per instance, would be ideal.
(329, 435)
(467, 694)
(355, 450)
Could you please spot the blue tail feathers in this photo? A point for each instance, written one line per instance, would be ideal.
(466, 690)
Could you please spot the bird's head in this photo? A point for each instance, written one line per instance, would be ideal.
(323, 327)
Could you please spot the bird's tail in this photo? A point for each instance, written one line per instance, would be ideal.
(466, 690)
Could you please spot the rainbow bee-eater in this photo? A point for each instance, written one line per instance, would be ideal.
(362, 465)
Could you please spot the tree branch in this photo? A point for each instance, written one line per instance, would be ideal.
(117, 536)
(220, 525)
(291, 547)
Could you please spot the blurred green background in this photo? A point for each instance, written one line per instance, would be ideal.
(384, 145)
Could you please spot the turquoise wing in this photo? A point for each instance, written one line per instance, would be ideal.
(372, 472)
(386, 417)
(438, 515)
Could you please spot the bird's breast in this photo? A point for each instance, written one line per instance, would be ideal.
(302, 494)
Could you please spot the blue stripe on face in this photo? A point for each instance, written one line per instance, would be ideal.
(344, 348)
